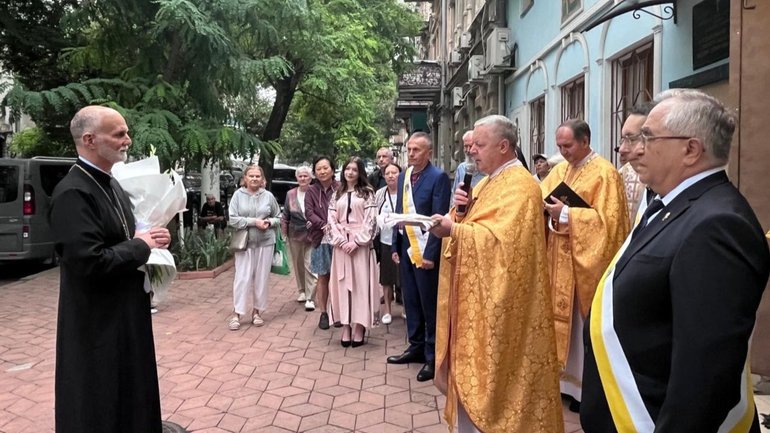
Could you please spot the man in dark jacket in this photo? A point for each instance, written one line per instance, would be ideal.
(106, 375)
(384, 157)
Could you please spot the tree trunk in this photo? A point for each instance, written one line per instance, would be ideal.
(285, 90)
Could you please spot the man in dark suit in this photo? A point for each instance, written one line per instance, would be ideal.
(669, 330)
(423, 189)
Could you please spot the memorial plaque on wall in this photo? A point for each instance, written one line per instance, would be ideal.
(710, 32)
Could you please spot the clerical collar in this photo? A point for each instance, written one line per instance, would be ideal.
(509, 163)
(92, 165)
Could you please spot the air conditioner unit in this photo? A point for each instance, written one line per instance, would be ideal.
(455, 57)
(465, 41)
(457, 96)
(498, 53)
(476, 70)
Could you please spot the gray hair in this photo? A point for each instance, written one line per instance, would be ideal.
(701, 116)
(303, 167)
(423, 135)
(468, 133)
(503, 127)
(387, 149)
(86, 119)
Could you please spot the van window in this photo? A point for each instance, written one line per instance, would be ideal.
(51, 175)
(9, 183)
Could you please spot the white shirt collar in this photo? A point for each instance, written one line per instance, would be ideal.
(690, 181)
(91, 164)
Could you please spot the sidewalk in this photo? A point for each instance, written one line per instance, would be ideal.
(288, 376)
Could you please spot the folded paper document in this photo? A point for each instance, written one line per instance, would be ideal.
(410, 219)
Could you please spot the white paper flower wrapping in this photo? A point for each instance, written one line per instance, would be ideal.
(156, 198)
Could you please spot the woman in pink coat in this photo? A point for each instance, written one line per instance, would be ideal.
(353, 285)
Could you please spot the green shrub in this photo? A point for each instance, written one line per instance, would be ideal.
(201, 250)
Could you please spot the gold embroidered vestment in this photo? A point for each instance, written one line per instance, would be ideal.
(579, 252)
(495, 345)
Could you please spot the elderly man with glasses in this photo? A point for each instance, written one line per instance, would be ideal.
(670, 325)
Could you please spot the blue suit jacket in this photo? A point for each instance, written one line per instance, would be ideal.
(431, 196)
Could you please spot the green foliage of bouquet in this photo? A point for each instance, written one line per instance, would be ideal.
(201, 250)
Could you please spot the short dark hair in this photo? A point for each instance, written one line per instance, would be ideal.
(320, 158)
(579, 128)
(641, 109)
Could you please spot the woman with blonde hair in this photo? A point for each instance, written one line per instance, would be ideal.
(255, 209)
(353, 284)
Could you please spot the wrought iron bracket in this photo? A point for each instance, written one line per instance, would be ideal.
(669, 12)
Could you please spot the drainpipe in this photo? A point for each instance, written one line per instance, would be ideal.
(500, 95)
(443, 42)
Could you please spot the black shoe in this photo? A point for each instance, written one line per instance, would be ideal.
(406, 358)
(344, 343)
(358, 343)
(426, 372)
(323, 322)
(336, 325)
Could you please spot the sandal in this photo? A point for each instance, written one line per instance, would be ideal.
(234, 323)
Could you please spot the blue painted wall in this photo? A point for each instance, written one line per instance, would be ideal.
(539, 32)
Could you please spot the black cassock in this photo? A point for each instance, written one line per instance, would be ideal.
(106, 374)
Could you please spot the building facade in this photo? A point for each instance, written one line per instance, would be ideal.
(540, 62)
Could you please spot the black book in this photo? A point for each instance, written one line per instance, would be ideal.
(567, 196)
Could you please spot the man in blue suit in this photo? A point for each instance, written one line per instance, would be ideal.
(423, 189)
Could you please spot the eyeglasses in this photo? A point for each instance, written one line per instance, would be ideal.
(630, 139)
(646, 138)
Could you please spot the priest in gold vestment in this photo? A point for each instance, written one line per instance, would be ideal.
(495, 345)
(581, 242)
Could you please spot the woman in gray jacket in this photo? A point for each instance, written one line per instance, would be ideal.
(255, 209)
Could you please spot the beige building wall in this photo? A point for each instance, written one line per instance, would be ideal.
(750, 159)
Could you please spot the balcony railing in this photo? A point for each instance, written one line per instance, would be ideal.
(423, 83)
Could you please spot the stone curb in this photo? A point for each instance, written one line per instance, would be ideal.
(211, 273)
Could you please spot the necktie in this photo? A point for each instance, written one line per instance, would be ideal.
(649, 194)
(655, 206)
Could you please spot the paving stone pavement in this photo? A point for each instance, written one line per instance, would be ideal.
(287, 376)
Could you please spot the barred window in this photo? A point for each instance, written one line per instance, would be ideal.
(537, 126)
(573, 96)
(631, 85)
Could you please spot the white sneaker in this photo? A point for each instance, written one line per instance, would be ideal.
(386, 319)
(256, 320)
(153, 310)
(309, 305)
(301, 297)
(234, 323)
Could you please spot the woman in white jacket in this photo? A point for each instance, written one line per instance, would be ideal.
(255, 209)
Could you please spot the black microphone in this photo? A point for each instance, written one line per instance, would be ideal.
(470, 170)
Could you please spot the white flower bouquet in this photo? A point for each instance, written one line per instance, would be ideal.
(155, 197)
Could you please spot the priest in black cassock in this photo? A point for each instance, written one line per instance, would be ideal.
(106, 375)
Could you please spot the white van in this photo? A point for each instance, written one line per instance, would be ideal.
(26, 186)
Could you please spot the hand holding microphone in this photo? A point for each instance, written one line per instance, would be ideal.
(462, 203)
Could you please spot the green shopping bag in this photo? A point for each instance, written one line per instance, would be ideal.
(280, 263)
